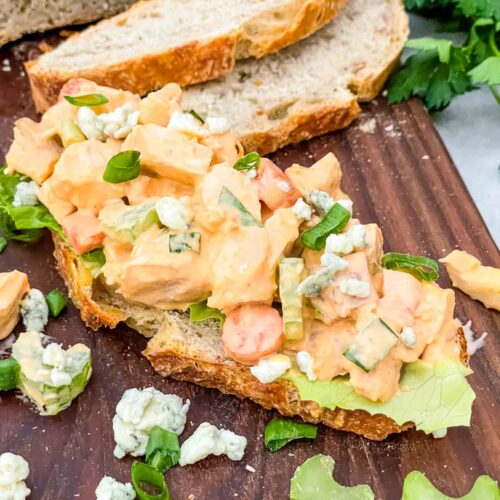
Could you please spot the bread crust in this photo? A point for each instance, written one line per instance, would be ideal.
(305, 120)
(207, 59)
(193, 353)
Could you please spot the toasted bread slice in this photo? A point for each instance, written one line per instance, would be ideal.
(161, 41)
(312, 87)
(194, 353)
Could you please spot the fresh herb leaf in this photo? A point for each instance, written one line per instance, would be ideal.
(487, 72)
(197, 116)
(145, 474)
(279, 432)
(422, 268)
(87, 100)
(442, 46)
(247, 162)
(246, 218)
(439, 71)
(201, 312)
(333, 222)
(23, 223)
(57, 301)
(162, 450)
(3, 244)
(190, 240)
(94, 261)
(123, 167)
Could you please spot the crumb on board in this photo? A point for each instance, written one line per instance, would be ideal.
(368, 126)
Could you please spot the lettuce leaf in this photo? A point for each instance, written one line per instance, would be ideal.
(313, 481)
(25, 223)
(416, 487)
(434, 397)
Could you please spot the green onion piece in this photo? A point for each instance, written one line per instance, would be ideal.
(333, 222)
(163, 450)
(201, 312)
(280, 432)
(180, 242)
(196, 115)
(422, 268)
(145, 474)
(94, 261)
(247, 162)
(3, 244)
(246, 218)
(57, 301)
(9, 374)
(87, 100)
(123, 167)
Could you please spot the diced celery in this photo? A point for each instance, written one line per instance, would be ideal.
(290, 270)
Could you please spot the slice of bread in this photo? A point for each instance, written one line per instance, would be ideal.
(18, 18)
(193, 352)
(312, 87)
(184, 41)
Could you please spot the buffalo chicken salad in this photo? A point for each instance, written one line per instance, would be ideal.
(168, 211)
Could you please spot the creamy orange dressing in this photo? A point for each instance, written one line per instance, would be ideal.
(241, 241)
(469, 275)
(13, 287)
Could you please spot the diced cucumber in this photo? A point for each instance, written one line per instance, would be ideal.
(125, 223)
(180, 242)
(70, 133)
(246, 218)
(291, 300)
(371, 345)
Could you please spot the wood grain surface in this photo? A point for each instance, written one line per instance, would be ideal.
(401, 177)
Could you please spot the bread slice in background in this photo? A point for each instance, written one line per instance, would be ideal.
(184, 41)
(18, 18)
(194, 352)
(312, 87)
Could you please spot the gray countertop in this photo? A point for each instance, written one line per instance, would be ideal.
(470, 128)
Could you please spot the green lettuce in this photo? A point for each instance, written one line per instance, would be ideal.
(434, 397)
(24, 223)
(416, 487)
(313, 481)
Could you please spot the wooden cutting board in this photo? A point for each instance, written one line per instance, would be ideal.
(400, 176)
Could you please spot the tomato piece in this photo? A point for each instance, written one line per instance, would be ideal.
(252, 331)
(276, 189)
(83, 231)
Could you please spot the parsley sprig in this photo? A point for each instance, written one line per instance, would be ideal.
(441, 70)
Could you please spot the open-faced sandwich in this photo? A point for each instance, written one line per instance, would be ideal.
(255, 281)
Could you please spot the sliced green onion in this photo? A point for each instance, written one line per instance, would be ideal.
(201, 312)
(279, 432)
(123, 167)
(94, 261)
(9, 374)
(145, 474)
(57, 301)
(163, 450)
(87, 100)
(246, 218)
(420, 267)
(196, 115)
(247, 162)
(180, 242)
(333, 222)
(3, 244)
